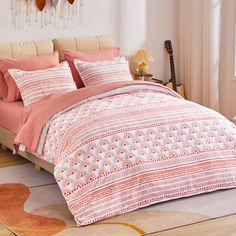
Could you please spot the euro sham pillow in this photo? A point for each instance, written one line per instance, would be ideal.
(11, 92)
(92, 56)
(36, 85)
(103, 72)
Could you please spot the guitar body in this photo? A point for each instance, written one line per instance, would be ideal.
(180, 88)
(173, 84)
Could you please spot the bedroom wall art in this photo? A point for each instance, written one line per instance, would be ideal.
(58, 13)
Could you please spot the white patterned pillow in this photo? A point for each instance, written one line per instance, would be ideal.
(35, 85)
(102, 72)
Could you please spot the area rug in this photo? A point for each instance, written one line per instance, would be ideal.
(31, 204)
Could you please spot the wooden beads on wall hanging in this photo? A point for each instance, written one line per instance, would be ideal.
(58, 13)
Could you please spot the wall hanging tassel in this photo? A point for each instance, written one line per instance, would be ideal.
(57, 13)
(41, 20)
(50, 15)
(45, 17)
(55, 3)
(55, 19)
(71, 1)
(13, 20)
(65, 11)
(19, 15)
(41, 4)
(28, 11)
(36, 17)
(81, 12)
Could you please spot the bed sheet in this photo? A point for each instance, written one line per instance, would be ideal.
(10, 115)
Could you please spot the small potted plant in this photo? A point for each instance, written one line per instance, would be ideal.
(141, 74)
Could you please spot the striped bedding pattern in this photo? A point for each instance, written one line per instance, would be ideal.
(102, 72)
(36, 85)
(130, 149)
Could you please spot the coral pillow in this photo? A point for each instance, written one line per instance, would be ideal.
(36, 85)
(3, 86)
(102, 72)
(12, 93)
(99, 55)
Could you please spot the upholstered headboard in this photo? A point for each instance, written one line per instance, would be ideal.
(82, 44)
(36, 48)
(26, 49)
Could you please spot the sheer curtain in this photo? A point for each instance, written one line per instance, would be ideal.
(199, 50)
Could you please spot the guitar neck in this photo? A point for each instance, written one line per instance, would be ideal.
(172, 69)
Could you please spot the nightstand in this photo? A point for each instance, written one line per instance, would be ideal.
(154, 80)
(147, 77)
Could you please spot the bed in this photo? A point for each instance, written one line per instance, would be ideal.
(119, 146)
(10, 115)
(9, 121)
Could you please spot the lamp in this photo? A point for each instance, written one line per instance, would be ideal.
(143, 57)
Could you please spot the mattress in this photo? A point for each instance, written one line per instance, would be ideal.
(10, 115)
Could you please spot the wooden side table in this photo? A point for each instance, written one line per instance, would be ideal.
(156, 80)
(147, 77)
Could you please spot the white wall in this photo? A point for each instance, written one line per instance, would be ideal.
(99, 18)
(132, 23)
(148, 23)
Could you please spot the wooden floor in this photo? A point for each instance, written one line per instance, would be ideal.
(223, 226)
(14, 159)
(5, 232)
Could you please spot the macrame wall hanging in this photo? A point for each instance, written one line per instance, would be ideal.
(58, 13)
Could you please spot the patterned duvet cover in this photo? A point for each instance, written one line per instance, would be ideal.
(134, 146)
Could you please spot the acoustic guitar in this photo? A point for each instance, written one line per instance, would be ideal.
(172, 82)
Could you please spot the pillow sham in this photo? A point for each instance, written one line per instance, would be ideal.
(99, 55)
(10, 92)
(36, 85)
(102, 72)
(3, 87)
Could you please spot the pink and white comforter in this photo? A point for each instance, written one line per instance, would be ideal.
(136, 145)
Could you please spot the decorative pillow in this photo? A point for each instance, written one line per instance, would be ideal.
(35, 85)
(102, 72)
(10, 92)
(99, 55)
(3, 86)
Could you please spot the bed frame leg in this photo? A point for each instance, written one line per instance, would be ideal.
(3, 147)
(37, 167)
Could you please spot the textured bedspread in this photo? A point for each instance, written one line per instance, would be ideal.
(135, 146)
